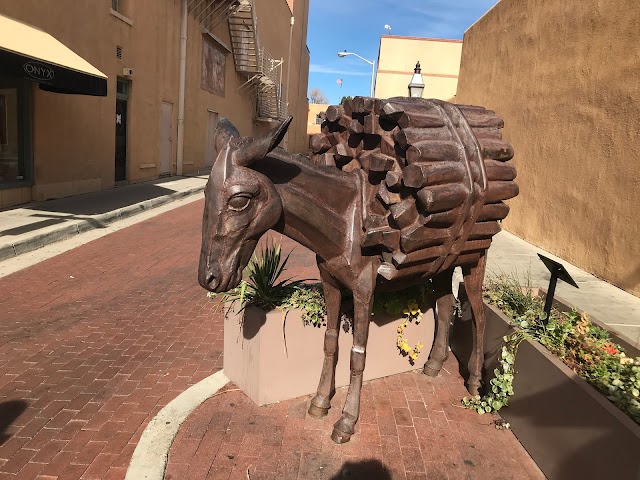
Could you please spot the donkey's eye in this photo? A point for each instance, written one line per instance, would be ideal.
(239, 202)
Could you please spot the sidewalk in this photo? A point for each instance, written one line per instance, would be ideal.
(34, 225)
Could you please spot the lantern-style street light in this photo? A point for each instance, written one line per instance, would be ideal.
(416, 87)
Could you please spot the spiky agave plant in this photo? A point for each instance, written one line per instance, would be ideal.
(261, 286)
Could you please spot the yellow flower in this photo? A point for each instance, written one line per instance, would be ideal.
(405, 347)
(414, 356)
(419, 346)
(400, 328)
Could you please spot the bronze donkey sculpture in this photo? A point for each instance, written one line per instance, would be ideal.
(397, 192)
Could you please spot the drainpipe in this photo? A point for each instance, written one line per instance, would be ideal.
(286, 98)
(181, 87)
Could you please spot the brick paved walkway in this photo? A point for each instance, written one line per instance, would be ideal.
(95, 341)
(411, 427)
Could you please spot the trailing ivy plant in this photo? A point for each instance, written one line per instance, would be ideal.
(502, 384)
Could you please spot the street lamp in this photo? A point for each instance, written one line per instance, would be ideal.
(416, 87)
(373, 65)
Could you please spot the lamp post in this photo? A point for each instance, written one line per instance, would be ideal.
(373, 66)
(416, 87)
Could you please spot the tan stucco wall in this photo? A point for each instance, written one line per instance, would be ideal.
(565, 81)
(439, 60)
(274, 28)
(74, 136)
(314, 110)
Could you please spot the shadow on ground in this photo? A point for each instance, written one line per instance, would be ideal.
(363, 470)
(104, 201)
(9, 412)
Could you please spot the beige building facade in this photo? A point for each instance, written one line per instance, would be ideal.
(439, 61)
(565, 81)
(246, 60)
(315, 117)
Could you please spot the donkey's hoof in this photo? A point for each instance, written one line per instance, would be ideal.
(430, 371)
(317, 412)
(340, 437)
(473, 387)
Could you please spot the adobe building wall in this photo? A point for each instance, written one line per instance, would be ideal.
(565, 81)
(74, 136)
(274, 30)
(314, 110)
(439, 60)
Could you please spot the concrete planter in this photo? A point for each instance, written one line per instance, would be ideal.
(569, 429)
(272, 360)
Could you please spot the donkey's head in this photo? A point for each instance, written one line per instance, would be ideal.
(240, 205)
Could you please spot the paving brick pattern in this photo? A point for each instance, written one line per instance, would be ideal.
(95, 341)
(411, 427)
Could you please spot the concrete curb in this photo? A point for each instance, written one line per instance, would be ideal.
(150, 457)
(97, 221)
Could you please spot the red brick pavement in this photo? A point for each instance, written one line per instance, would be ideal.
(411, 427)
(95, 341)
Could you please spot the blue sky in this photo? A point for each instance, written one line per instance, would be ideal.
(356, 26)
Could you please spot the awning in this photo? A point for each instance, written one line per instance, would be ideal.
(29, 52)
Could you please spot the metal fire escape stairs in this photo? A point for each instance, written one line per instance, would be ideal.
(211, 13)
(262, 71)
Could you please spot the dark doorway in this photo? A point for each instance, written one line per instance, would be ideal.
(122, 98)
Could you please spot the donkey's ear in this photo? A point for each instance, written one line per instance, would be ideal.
(278, 133)
(260, 147)
(225, 131)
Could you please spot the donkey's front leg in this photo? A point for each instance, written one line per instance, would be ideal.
(321, 403)
(344, 428)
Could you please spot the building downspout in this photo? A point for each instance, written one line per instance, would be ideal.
(181, 88)
(286, 98)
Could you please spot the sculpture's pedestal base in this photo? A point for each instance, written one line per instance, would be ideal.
(269, 369)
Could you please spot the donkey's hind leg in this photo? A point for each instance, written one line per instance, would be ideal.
(473, 278)
(444, 302)
(321, 403)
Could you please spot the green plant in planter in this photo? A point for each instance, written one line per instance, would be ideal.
(309, 298)
(261, 286)
(263, 289)
(583, 346)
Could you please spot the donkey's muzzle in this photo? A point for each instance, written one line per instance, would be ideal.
(210, 278)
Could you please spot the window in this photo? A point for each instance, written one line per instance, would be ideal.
(15, 132)
(319, 119)
(122, 7)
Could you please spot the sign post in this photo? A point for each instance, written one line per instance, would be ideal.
(557, 272)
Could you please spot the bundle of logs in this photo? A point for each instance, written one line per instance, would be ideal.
(434, 175)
